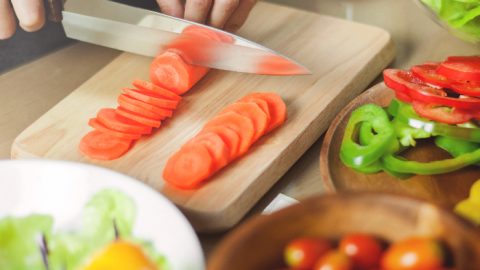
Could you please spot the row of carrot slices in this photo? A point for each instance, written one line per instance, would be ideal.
(224, 138)
(145, 105)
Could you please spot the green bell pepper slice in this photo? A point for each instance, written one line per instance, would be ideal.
(455, 147)
(355, 155)
(398, 164)
(408, 116)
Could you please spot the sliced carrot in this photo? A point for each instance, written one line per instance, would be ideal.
(103, 146)
(170, 71)
(229, 136)
(155, 89)
(260, 102)
(94, 123)
(153, 100)
(143, 108)
(240, 124)
(188, 167)
(112, 120)
(252, 111)
(138, 118)
(207, 33)
(276, 106)
(216, 147)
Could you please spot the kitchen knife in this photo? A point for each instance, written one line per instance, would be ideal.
(149, 33)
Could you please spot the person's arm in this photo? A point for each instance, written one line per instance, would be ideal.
(30, 14)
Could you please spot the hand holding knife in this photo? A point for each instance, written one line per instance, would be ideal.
(116, 25)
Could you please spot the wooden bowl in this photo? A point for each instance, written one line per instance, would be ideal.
(258, 244)
(445, 189)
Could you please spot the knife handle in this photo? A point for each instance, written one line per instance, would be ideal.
(54, 10)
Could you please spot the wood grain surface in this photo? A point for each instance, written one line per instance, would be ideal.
(446, 189)
(343, 56)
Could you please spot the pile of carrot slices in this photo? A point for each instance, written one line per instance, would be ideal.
(145, 105)
(224, 138)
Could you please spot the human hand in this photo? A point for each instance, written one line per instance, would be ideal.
(30, 13)
(224, 14)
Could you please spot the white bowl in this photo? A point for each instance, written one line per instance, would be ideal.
(61, 189)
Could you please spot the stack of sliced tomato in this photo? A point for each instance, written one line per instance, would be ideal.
(447, 92)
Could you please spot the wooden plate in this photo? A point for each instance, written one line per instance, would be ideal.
(446, 189)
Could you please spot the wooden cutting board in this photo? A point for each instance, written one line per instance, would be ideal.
(343, 56)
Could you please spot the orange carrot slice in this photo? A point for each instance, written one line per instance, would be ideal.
(138, 118)
(188, 167)
(112, 120)
(150, 99)
(103, 146)
(252, 111)
(207, 33)
(170, 71)
(94, 123)
(260, 102)
(216, 147)
(143, 108)
(240, 124)
(229, 136)
(155, 89)
(276, 106)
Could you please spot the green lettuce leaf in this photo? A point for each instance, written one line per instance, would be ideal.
(463, 16)
(20, 239)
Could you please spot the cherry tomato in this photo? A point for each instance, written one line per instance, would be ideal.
(334, 260)
(465, 68)
(443, 114)
(364, 250)
(414, 254)
(302, 253)
(402, 81)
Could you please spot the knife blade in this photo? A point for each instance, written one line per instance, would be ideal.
(149, 33)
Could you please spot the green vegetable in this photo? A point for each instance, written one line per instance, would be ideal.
(71, 249)
(401, 165)
(20, 241)
(456, 147)
(356, 155)
(408, 116)
(461, 15)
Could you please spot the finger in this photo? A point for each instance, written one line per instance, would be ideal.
(171, 7)
(221, 12)
(7, 20)
(30, 14)
(197, 10)
(240, 15)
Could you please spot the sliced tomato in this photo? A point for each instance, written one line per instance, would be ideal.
(404, 82)
(443, 114)
(428, 74)
(461, 68)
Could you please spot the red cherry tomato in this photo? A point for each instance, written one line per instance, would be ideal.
(414, 254)
(364, 250)
(302, 253)
(334, 260)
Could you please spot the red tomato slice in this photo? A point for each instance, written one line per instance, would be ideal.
(428, 74)
(404, 81)
(461, 68)
(447, 115)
